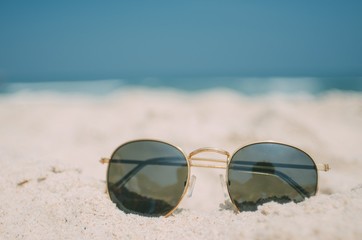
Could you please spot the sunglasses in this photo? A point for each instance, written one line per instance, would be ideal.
(150, 177)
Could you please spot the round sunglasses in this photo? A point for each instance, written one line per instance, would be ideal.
(150, 177)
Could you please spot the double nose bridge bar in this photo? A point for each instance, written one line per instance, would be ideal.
(197, 161)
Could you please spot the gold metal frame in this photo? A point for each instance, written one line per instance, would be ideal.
(203, 162)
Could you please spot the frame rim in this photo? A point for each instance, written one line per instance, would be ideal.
(188, 159)
(163, 142)
(269, 142)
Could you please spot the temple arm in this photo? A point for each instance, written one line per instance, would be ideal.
(245, 166)
(251, 167)
(165, 161)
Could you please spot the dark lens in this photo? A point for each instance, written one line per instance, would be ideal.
(147, 177)
(264, 172)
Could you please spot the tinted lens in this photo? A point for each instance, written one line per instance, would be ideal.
(265, 172)
(147, 177)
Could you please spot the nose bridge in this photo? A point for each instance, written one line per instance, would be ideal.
(207, 162)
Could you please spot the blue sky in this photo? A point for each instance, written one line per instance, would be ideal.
(81, 40)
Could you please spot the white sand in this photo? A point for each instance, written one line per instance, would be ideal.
(52, 185)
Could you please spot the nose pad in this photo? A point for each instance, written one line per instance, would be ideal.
(191, 186)
(227, 205)
(223, 185)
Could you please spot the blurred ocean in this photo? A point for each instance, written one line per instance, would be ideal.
(248, 86)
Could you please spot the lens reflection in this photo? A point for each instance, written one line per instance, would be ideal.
(264, 172)
(147, 177)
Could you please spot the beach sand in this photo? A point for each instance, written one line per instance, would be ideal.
(52, 185)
